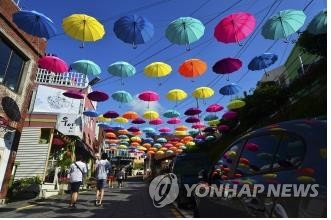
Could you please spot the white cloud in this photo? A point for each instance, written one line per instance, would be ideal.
(140, 106)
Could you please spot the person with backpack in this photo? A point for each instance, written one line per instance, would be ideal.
(77, 171)
(102, 168)
(120, 177)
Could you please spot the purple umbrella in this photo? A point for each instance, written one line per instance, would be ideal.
(192, 111)
(223, 128)
(227, 66)
(192, 119)
(200, 136)
(138, 121)
(109, 130)
(157, 121)
(214, 108)
(165, 130)
(173, 121)
(133, 129)
(252, 147)
(209, 130)
(111, 114)
(98, 96)
(73, 94)
(230, 115)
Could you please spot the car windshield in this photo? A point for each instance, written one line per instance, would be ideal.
(190, 165)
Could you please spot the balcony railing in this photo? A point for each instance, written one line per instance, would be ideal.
(69, 79)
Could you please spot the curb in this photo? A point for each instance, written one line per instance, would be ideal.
(184, 213)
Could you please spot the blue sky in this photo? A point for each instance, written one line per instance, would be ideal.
(161, 13)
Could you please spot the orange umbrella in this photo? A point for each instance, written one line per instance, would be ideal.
(135, 144)
(147, 145)
(174, 149)
(181, 128)
(130, 115)
(178, 151)
(110, 135)
(179, 144)
(151, 152)
(187, 139)
(192, 68)
(123, 131)
(137, 133)
(113, 141)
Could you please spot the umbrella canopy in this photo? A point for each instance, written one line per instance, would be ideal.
(176, 95)
(192, 68)
(111, 114)
(227, 65)
(130, 115)
(184, 31)
(157, 69)
(91, 113)
(230, 115)
(34, 23)
(230, 89)
(133, 129)
(157, 145)
(236, 104)
(209, 130)
(148, 96)
(214, 122)
(210, 138)
(235, 27)
(181, 128)
(133, 29)
(173, 121)
(171, 114)
(149, 130)
(192, 111)
(203, 92)
(192, 119)
(136, 139)
(111, 135)
(150, 115)
(121, 120)
(86, 67)
(165, 130)
(123, 137)
(121, 69)
(53, 64)
(103, 125)
(318, 24)
(283, 24)
(193, 132)
(98, 96)
(83, 27)
(214, 108)
(157, 121)
(73, 94)
(210, 118)
(138, 121)
(223, 128)
(262, 62)
(101, 118)
(198, 125)
(161, 140)
(122, 96)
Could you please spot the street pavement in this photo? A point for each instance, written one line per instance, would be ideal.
(131, 201)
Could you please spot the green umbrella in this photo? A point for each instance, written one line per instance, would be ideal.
(185, 30)
(283, 24)
(121, 69)
(318, 24)
(86, 67)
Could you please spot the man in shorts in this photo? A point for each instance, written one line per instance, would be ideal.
(102, 169)
(77, 170)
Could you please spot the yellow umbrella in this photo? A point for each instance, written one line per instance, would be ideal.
(203, 92)
(190, 144)
(157, 69)
(236, 104)
(121, 120)
(150, 115)
(103, 119)
(83, 27)
(122, 146)
(180, 133)
(176, 95)
(214, 122)
(160, 152)
(142, 148)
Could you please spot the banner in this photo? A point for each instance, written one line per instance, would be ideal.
(69, 124)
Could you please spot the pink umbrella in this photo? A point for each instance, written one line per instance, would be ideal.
(111, 114)
(192, 119)
(234, 27)
(230, 115)
(165, 130)
(98, 96)
(138, 121)
(168, 145)
(53, 64)
(223, 128)
(157, 121)
(173, 121)
(252, 147)
(227, 66)
(214, 108)
(192, 111)
(198, 125)
(133, 129)
(73, 94)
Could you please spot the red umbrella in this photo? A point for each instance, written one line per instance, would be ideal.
(235, 27)
(98, 96)
(214, 108)
(157, 121)
(192, 111)
(173, 121)
(227, 66)
(149, 96)
(165, 130)
(73, 94)
(53, 64)
(223, 128)
(230, 115)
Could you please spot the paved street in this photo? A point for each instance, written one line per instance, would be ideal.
(131, 201)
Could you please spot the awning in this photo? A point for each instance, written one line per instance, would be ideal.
(83, 146)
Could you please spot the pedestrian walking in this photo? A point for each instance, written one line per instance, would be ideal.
(111, 178)
(77, 171)
(120, 177)
(102, 168)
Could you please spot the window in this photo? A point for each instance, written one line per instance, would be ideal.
(11, 66)
(45, 136)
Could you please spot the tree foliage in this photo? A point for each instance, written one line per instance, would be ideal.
(314, 44)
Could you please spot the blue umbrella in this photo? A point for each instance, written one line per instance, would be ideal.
(123, 136)
(161, 140)
(34, 23)
(86, 67)
(149, 130)
(193, 132)
(230, 89)
(157, 145)
(91, 113)
(118, 128)
(133, 29)
(210, 118)
(103, 125)
(318, 24)
(148, 140)
(122, 96)
(262, 62)
(121, 69)
(171, 114)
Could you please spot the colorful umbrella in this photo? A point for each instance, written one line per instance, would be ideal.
(262, 62)
(181, 128)
(230, 89)
(86, 67)
(111, 114)
(98, 96)
(121, 69)
(235, 27)
(192, 111)
(157, 121)
(150, 115)
(236, 104)
(161, 140)
(133, 129)
(149, 130)
(198, 125)
(165, 130)
(101, 118)
(83, 27)
(103, 125)
(157, 145)
(223, 128)
(193, 132)
(90, 113)
(192, 68)
(214, 108)
(283, 24)
(318, 24)
(171, 114)
(173, 121)
(34, 23)
(130, 115)
(214, 122)
(133, 29)
(176, 95)
(73, 94)
(138, 121)
(149, 96)
(227, 66)
(53, 64)
(111, 135)
(209, 130)
(202, 93)
(192, 119)
(121, 120)
(210, 118)
(230, 115)
(185, 30)
(122, 97)
(157, 69)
